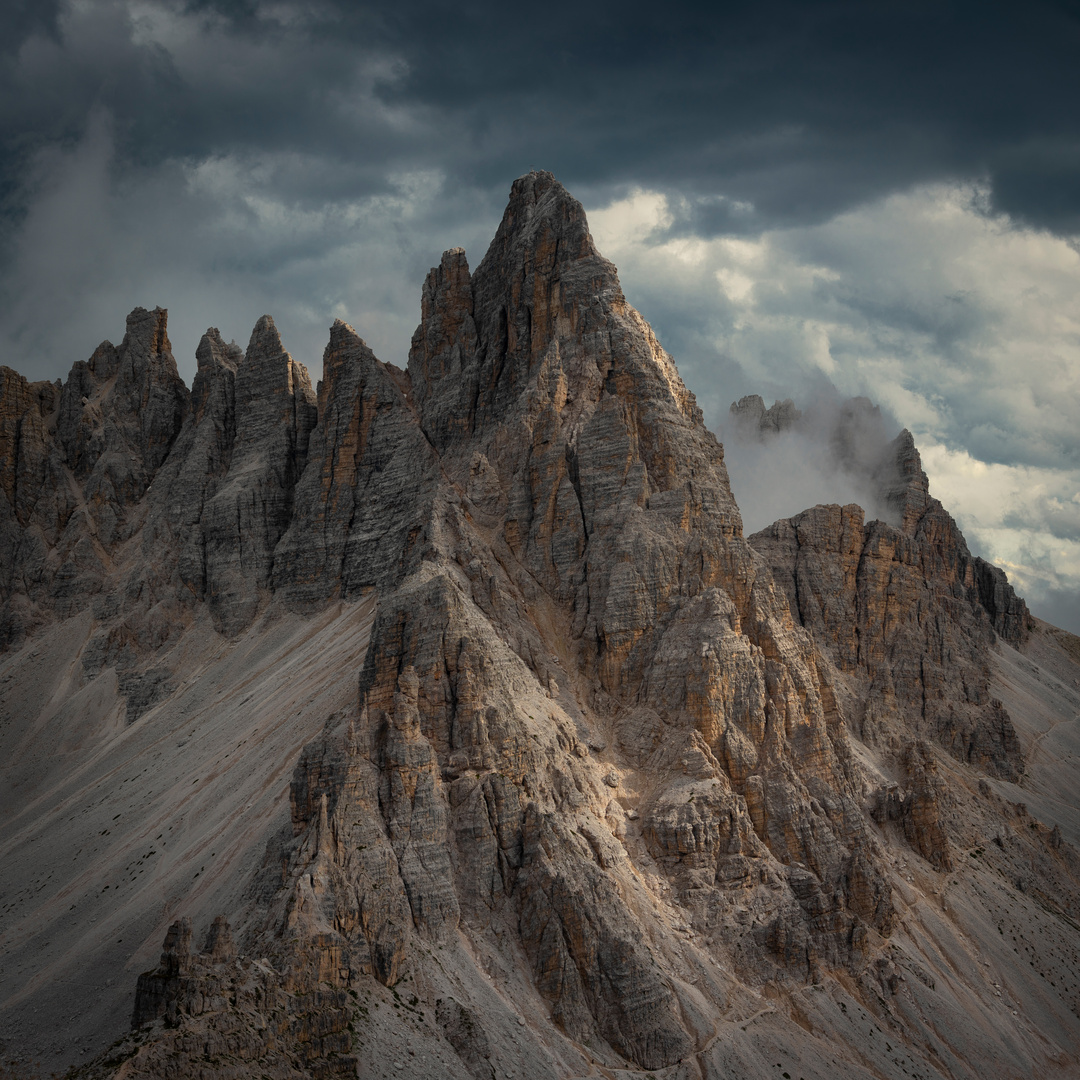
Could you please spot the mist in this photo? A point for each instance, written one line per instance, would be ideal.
(784, 460)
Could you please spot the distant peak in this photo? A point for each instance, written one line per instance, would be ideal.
(750, 414)
(542, 214)
(341, 333)
(903, 483)
(265, 340)
(147, 332)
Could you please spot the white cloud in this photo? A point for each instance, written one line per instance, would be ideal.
(1024, 518)
(964, 326)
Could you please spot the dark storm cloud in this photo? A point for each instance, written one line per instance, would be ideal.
(266, 90)
(20, 18)
(796, 110)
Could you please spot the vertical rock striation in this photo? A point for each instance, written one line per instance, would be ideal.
(363, 505)
(203, 455)
(251, 509)
(81, 463)
(600, 740)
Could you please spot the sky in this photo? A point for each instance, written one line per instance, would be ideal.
(806, 200)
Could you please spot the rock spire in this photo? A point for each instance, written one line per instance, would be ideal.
(614, 781)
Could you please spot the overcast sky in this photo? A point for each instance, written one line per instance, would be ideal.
(804, 199)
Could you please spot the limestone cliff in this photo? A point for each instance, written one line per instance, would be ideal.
(618, 790)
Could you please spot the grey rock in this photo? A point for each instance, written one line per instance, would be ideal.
(588, 952)
(144, 690)
(118, 417)
(198, 466)
(751, 416)
(252, 507)
(598, 768)
(364, 503)
(464, 1030)
(904, 609)
(1008, 612)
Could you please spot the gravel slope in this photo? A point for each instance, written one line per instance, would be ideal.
(109, 829)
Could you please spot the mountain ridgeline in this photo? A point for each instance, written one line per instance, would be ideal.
(612, 789)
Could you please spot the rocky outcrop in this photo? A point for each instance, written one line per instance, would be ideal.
(24, 445)
(905, 489)
(235, 1017)
(902, 612)
(751, 416)
(363, 505)
(159, 993)
(465, 1032)
(1008, 612)
(589, 959)
(918, 811)
(252, 507)
(192, 475)
(117, 419)
(81, 459)
(37, 502)
(599, 755)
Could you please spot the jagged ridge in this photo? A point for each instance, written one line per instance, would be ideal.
(584, 688)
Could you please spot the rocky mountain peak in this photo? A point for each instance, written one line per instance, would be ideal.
(751, 415)
(265, 339)
(904, 485)
(346, 352)
(444, 343)
(146, 335)
(543, 225)
(583, 780)
(276, 407)
(270, 371)
(150, 395)
(217, 364)
(212, 352)
(538, 295)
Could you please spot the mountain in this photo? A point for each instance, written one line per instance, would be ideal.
(443, 722)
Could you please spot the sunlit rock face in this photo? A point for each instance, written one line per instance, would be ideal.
(609, 786)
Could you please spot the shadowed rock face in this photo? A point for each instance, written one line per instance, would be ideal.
(601, 754)
(81, 459)
(364, 503)
(204, 451)
(251, 509)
